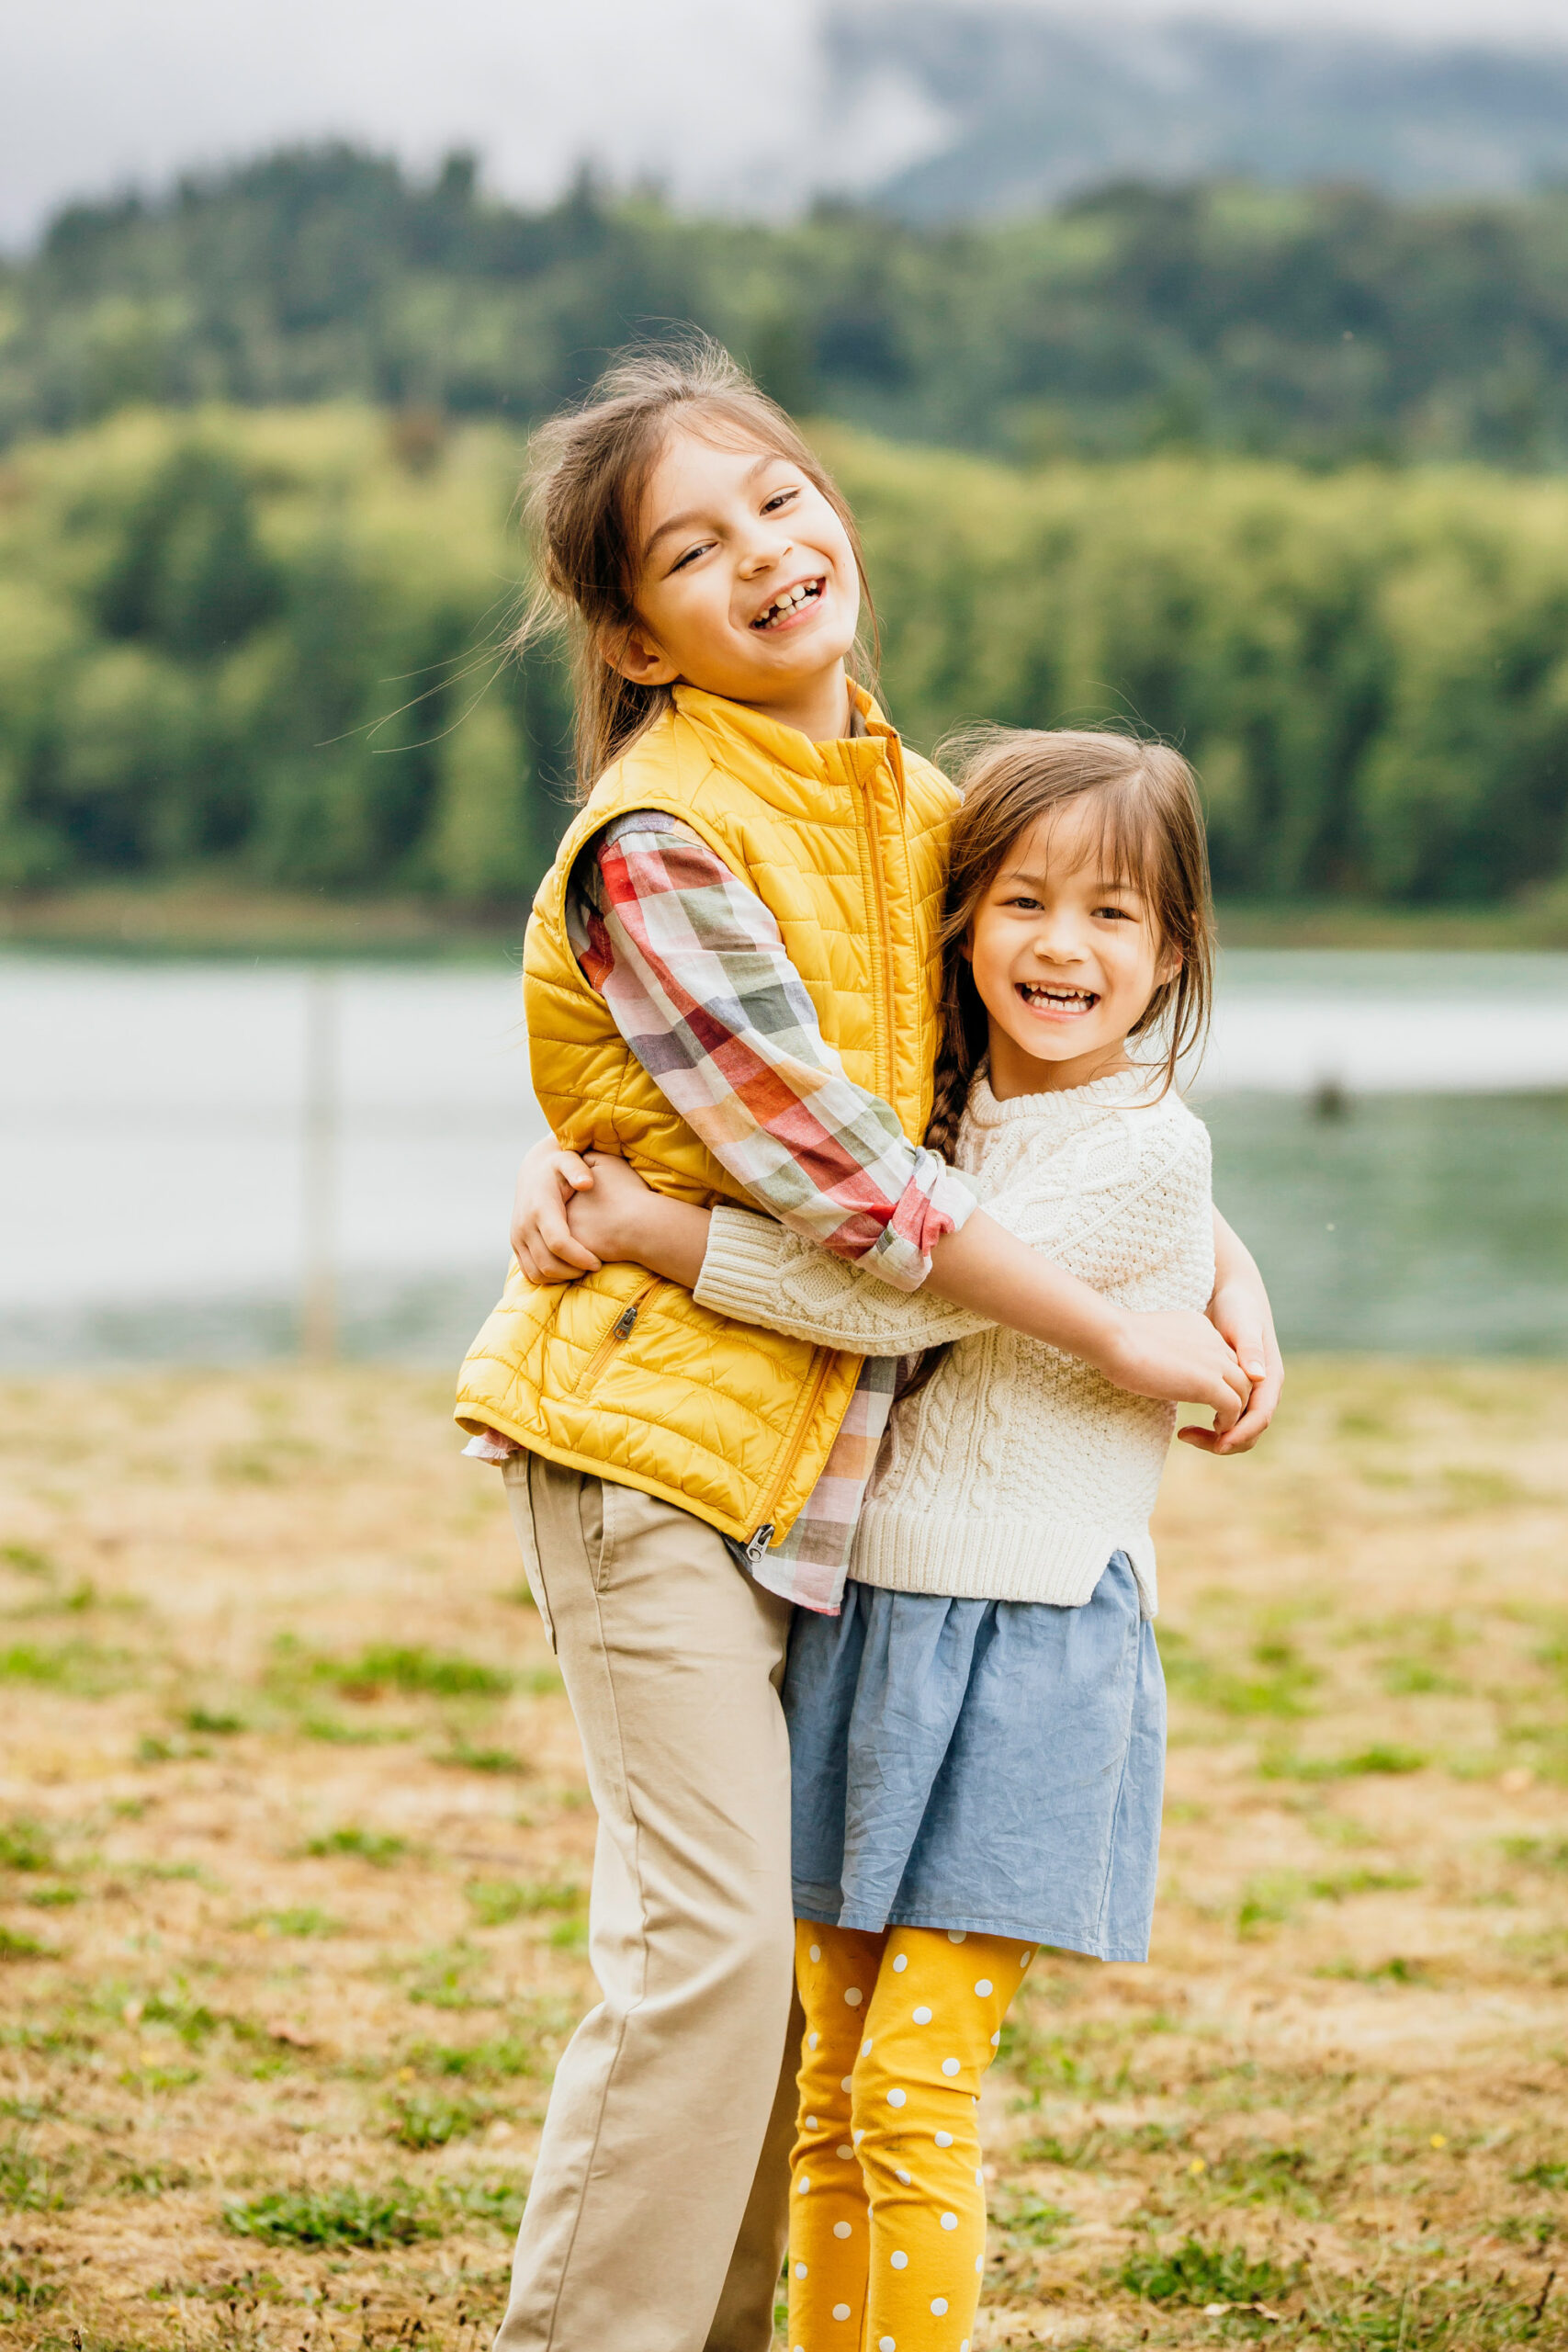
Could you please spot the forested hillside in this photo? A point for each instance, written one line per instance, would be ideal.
(265, 645)
(1326, 327)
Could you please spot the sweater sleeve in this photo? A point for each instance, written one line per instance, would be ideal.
(1113, 1235)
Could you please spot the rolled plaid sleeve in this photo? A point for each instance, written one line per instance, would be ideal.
(694, 971)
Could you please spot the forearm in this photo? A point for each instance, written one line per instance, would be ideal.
(671, 1240)
(1234, 1262)
(986, 1269)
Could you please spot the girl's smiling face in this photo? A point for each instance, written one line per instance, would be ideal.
(1065, 957)
(745, 585)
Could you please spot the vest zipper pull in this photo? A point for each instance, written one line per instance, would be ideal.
(759, 1543)
(624, 1324)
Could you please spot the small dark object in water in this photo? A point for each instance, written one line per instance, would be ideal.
(1329, 1100)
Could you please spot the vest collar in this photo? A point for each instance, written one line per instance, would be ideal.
(744, 737)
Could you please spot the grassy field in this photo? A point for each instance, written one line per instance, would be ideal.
(294, 1845)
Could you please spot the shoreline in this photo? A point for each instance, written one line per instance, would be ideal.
(213, 920)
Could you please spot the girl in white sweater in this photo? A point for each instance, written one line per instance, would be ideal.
(977, 1721)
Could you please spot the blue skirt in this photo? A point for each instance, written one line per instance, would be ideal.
(996, 1766)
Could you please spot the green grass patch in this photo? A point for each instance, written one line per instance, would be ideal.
(1417, 1678)
(27, 1560)
(1395, 1970)
(27, 2184)
(22, 2291)
(500, 2059)
(25, 1845)
(17, 1944)
(496, 1901)
(420, 1672)
(465, 1757)
(366, 1845)
(1276, 1684)
(303, 1920)
(343, 2215)
(1341, 1884)
(1269, 1899)
(80, 1669)
(1538, 1853)
(432, 2119)
(1383, 1756)
(444, 1979)
(1550, 2173)
(217, 1720)
(337, 1734)
(1024, 2218)
(1195, 2273)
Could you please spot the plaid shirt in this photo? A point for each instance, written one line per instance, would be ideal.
(695, 972)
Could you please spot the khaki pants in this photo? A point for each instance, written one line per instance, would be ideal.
(656, 2218)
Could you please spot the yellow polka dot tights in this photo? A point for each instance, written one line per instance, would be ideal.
(887, 2206)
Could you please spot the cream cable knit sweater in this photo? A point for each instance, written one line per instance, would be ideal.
(1018, 1470)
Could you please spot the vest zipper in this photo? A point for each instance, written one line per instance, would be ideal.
(621, 1329)
(879, 895)
(759, 1543)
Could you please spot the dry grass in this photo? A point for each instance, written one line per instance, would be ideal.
(290, 1888)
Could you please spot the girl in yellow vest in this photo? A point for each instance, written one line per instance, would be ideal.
(977, 1712)
(731, 982)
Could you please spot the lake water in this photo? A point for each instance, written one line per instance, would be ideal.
(1391, 1134)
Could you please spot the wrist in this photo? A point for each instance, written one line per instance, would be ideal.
(1108, 1344)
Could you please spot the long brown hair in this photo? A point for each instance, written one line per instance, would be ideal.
(1152, 821)
(583, 489)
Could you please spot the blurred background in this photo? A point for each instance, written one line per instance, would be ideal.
(1206, 370)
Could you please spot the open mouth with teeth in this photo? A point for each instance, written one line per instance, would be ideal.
(1046, 996)
(784, 607)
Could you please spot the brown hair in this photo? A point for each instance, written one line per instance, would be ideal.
(1153, 838)
(587, 472)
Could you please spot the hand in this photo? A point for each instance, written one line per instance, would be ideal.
(1179, 1356)
(611, 1216)
(1240, 1312)
(542, 1240)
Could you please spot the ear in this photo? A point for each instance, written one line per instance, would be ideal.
(1170, 964)
(638, 656)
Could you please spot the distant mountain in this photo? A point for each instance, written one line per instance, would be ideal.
(1025, 108)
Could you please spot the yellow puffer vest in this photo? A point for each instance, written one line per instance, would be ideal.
(619, 1373)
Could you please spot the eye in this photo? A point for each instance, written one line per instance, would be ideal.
(1116, 914)
(780, 498)
(691, 556)
(1027, 906)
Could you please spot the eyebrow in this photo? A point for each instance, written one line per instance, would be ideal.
(694, 513)
(1018, 874)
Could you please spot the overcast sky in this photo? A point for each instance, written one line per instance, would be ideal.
(719, 98)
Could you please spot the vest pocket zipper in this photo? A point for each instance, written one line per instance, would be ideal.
(621, 1329)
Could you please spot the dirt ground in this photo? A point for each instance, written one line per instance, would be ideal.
(294, 1844)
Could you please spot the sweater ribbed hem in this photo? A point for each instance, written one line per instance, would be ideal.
(996, 1559)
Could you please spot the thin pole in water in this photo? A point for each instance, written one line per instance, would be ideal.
(318, 1299)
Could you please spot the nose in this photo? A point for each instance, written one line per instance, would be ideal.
(763, 550)
(1057, 939)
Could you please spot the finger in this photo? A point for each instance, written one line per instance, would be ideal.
(1228, 1408)
(1252, 1424)
(574, 1170)
(1247, 1337)
(1194, 1433)
(554, 1238)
